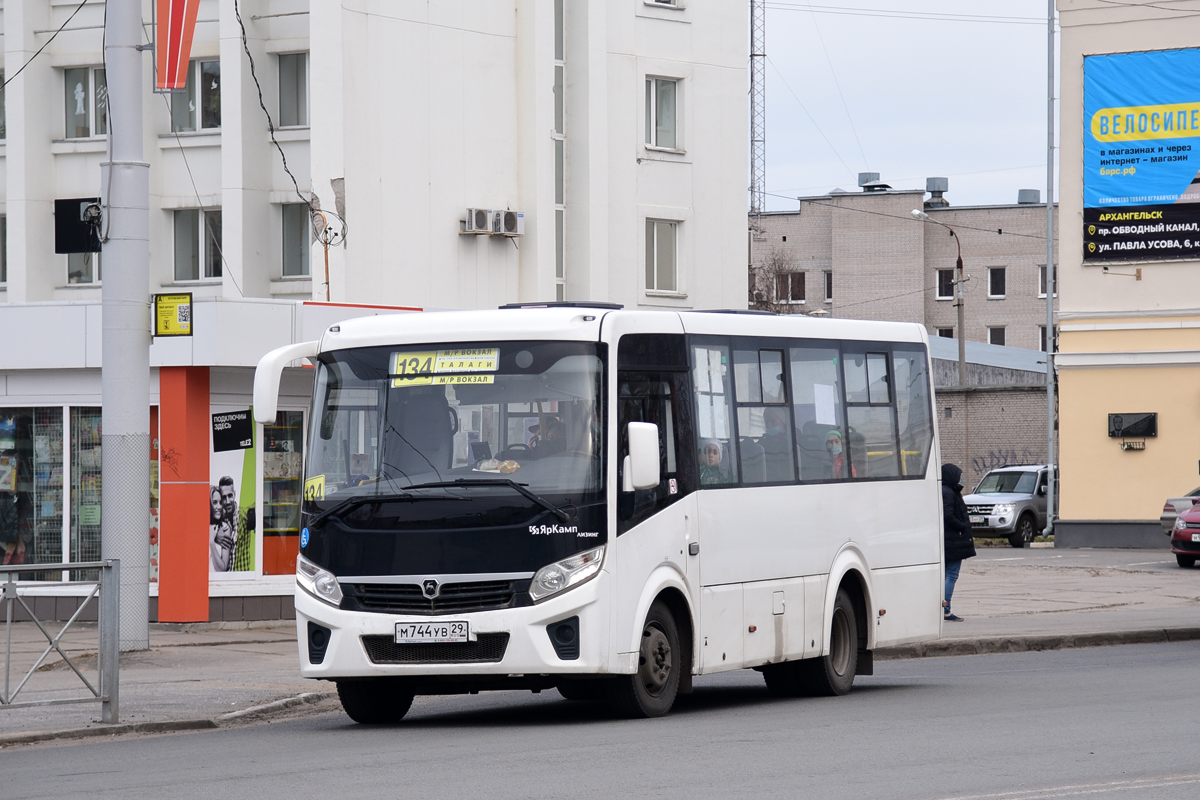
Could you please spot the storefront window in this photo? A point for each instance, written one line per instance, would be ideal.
(85, 485)
(31, 485)
(283, 448)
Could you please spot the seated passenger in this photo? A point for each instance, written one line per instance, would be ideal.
(555, 440)
(833, 443)
(777, 445)
(711, 471)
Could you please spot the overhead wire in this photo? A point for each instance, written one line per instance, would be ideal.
(910, 218)
(812, 119)
(841, 94)
(29, 61)
(884, 13)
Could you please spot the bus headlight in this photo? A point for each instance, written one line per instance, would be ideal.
(318, 582)
(556, 577)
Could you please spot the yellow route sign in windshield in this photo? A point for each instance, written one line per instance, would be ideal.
(427, 367)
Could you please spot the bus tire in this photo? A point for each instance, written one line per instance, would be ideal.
(784, 680)
(375, 701)
(579, 690)
(651, 691)
(833, 674)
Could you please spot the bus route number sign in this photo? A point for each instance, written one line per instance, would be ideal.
(433, 632)
(438, 367)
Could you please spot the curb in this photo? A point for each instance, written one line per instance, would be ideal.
(1024, 644)
(107, 730)
(122, 729)
(266, 709)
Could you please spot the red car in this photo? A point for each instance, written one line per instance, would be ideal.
(1185, 537)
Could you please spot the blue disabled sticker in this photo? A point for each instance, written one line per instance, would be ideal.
(304, 538)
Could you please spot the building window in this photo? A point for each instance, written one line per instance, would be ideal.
(83, 268)
(661, 256)
(996, 288)
(560, 152)
(665, 2)
(197, 257)
(297, 240)
(1042, 337)
(662, 113)
(3, 246)
(946, 333)
(293, 90)
(1042, 280)
(945, 284)
(828, 286)
(86, 102)
(996, 336)
(3, 109)
(789, 287)
(189, 113)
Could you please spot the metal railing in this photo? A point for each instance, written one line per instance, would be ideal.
(106, 588)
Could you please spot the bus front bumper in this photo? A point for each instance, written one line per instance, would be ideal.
(507, 642)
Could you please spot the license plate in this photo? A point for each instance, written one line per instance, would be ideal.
(429, 632)
(977, 520)
(1196, 537)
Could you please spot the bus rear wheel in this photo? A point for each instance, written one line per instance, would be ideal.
(833, 674)
(651, 691)
(375, 701)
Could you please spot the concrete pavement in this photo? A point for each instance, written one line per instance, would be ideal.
(215, 675)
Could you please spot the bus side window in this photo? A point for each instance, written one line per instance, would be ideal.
(710, 379)
(817, 408)
(913, 409)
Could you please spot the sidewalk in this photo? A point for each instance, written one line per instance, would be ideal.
(212, 675)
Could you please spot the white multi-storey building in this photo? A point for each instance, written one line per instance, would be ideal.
(616, 129)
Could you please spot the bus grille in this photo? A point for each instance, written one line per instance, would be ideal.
(454, 598)
(489, 647)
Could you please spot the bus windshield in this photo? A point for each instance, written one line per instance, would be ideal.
(389, 420)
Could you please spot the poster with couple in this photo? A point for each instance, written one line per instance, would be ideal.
(233, 479)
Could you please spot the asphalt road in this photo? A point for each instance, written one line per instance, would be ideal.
(1115, 721)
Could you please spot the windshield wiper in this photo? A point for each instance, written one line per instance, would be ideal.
(519, 487)
(364, 499)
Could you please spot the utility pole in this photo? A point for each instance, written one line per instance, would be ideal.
(1051, 477)
(125, 376)
(959, 294)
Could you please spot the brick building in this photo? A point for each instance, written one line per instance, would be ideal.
(863, 255)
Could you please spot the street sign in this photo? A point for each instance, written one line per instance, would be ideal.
(173, 314)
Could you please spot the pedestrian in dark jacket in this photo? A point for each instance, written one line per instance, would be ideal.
(956, 528)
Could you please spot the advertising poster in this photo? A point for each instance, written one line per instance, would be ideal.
(232, 523)
(1141, 154)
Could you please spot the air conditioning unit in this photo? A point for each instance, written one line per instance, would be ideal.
(479, 220)
(508, 223)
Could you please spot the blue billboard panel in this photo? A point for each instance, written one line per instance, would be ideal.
(1141, 156)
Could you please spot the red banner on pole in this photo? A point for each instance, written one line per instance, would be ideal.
(173, 42)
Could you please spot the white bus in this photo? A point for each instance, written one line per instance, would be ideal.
(609, 502)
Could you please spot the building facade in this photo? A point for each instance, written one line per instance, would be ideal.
(606, 138)
(1130, 314)
(863, 255)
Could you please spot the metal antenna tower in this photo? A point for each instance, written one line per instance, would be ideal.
(758, 106)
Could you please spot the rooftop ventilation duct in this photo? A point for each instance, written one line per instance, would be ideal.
(1029, 197)
(867, 177)
(936, 188)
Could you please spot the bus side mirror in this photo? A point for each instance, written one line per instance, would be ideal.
(642, 463)
(267, 375)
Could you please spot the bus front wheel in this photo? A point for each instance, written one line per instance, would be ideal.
(651, 691)
(374, 701)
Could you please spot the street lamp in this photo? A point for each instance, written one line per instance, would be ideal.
(961, 304)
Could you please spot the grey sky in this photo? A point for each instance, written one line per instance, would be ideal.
(919, 96)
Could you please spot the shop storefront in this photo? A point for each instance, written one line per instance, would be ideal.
(224, 525)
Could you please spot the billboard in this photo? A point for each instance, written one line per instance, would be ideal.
(1141, 155)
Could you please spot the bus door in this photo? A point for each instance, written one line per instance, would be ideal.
(653, 386)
